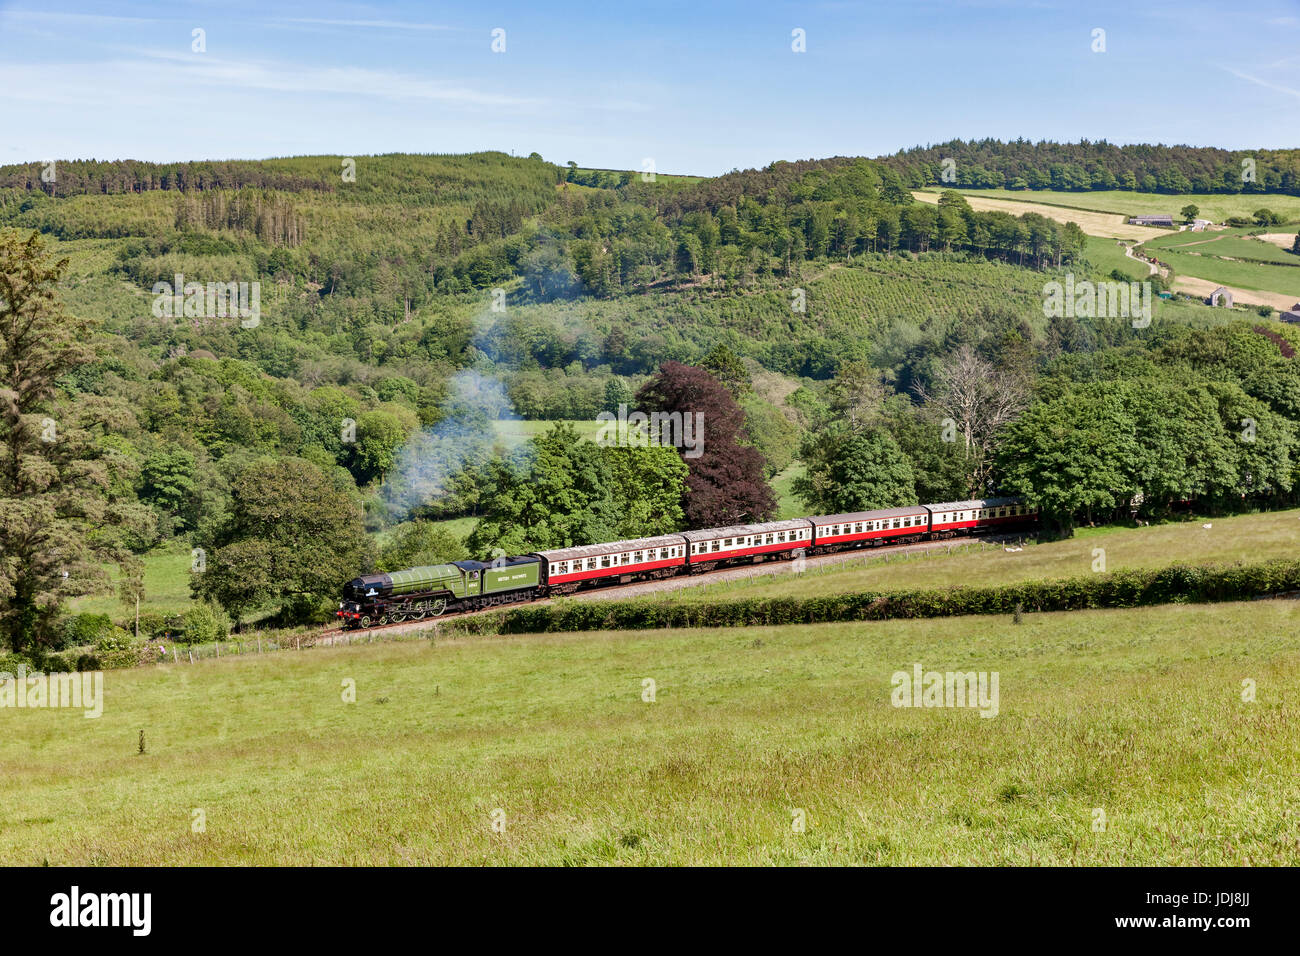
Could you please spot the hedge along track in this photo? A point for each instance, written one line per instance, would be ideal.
(678, 581)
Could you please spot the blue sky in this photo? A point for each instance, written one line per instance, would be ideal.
(698, 87)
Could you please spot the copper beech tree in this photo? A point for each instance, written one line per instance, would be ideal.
(725, 483)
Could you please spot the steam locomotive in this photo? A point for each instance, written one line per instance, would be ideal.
(431, 591)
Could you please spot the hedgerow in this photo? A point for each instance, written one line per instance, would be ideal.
(1174, 584)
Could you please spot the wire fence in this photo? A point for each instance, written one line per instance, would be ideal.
(169, 652)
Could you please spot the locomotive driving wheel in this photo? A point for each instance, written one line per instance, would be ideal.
(365, 621)
(397, 617)
(438, 606)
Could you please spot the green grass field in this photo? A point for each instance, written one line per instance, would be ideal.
(1138, 714)
(1246, 538)
(787, 505)
(166, 585)
(516, 431)
(1214, 206)
(1281, 279)
(1106, 255)
(1232, 244)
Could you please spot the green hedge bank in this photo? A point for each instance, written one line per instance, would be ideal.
(1175, 584)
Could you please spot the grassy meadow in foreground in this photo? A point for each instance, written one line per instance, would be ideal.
(1135, 713)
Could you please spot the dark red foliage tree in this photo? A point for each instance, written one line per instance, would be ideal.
(725, 485)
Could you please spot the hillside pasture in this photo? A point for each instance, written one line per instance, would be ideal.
(1091, 222)
(1216, 207)
(759, 746)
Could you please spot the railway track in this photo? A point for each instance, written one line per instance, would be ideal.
(342, 635)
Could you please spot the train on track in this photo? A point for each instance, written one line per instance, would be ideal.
(417, 593)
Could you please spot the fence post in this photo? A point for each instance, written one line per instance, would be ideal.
(297, 643)
(216, 649)
(175, 656)
(191, 656)
(259, 644)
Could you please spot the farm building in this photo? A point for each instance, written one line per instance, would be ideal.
(1221, 297)
(1292, 314)
(1198, 225)
(1156, 219)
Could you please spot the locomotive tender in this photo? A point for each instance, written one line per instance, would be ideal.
(430, 591)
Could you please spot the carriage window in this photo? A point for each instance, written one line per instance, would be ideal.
(716, 545)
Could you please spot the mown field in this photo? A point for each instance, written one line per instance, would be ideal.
(1246, 538)
(1213, 206)
(1138, 715)
(1092, 222)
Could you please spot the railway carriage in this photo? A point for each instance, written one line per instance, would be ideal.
(978, 514)
(712, 546)
(568, 569)
(470, 585)
(869, 528)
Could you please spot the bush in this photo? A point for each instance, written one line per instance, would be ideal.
(202, 624)
(59, 663)
(118, 648)
(9, 663)
(78, 630)
(153, 624)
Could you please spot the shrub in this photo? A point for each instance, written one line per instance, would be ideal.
(153, 624)
(9, 663)
(118, 648)
(202, 624)
(78, 630)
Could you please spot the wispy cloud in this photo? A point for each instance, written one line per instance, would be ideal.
(106, 80)
(1267, 84)
(372, 24)
(56, 16)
